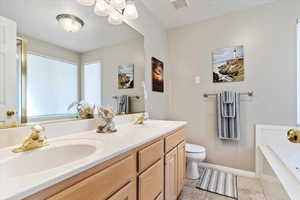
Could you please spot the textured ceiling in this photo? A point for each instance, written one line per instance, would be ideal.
(37, 19)
(198, 10)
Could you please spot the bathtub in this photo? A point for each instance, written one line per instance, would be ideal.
(277, 163)
(290, 156)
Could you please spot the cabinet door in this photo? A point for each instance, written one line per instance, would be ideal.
(171, 175)
(8, 71)
(181, 166)
(151, 182)
(128, 192)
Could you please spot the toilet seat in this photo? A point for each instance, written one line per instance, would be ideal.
(193, 148)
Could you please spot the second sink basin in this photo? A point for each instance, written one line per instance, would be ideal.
(56, 154)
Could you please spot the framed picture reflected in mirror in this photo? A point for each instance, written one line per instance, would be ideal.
(126, 76)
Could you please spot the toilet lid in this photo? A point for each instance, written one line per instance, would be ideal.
(193, 148)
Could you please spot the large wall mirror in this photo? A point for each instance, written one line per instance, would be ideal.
(68, 58)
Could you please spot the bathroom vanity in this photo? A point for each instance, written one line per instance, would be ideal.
(144, 162)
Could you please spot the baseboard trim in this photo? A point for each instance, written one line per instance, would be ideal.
(238, 172)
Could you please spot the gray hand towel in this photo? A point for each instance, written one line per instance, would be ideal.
(123, 104)
(228, 112)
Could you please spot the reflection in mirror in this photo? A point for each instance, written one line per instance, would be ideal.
(71, 61)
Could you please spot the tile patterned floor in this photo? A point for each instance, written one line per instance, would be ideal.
(248, 189)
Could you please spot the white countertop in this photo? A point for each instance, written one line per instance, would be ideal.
(126, 138)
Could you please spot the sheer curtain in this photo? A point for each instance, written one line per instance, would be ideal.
(52, 85)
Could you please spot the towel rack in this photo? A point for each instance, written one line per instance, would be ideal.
(250, 94)
(136, 97)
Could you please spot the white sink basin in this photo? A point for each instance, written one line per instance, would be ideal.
(56, 154)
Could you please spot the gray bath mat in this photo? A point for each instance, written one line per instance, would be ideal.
(218, 182)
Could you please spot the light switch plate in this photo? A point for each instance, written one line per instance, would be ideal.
(197, 79)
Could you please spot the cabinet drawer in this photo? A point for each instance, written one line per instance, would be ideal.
(150, 155)
(128, 192)
(151, 182)
(174, 139)
(101, 185)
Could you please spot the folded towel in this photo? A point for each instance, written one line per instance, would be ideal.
(228, 112)
(123, 104)
(228, 107)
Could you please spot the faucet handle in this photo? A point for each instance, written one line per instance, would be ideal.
(37, 128)
(293, 135)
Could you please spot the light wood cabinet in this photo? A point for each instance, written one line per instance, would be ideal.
(150, 155)
(128, 192)
(151, 182)
(181, 167)
(175, 166)
(174, 139)
(171, 175)
(153, 171)
(101, 185)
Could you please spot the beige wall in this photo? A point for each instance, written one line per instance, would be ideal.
(47, 49)
(268, 34)
(155, 44)
(130, 52)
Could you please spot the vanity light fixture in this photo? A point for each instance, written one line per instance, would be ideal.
(118, 4)
(86, 2)
(114, 19)
(130, 11)
(114, 9)
(70, 23)
(101, 8)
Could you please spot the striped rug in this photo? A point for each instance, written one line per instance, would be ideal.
(218, 182)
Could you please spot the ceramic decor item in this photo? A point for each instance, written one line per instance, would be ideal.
(84, 109)
(107, 116)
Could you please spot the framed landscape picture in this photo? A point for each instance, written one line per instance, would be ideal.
(157, 75)
(126, 76)
(228, 64)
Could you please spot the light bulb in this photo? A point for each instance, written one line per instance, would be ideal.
(114, 19)
(130, 11)
(86, 2)
(70, 23)
(101, 8)
(118, 4)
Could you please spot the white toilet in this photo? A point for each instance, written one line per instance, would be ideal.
(194, 154)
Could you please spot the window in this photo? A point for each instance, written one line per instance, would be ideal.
(92, 83)
(52, 85)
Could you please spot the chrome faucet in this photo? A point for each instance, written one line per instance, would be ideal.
(35, 140)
